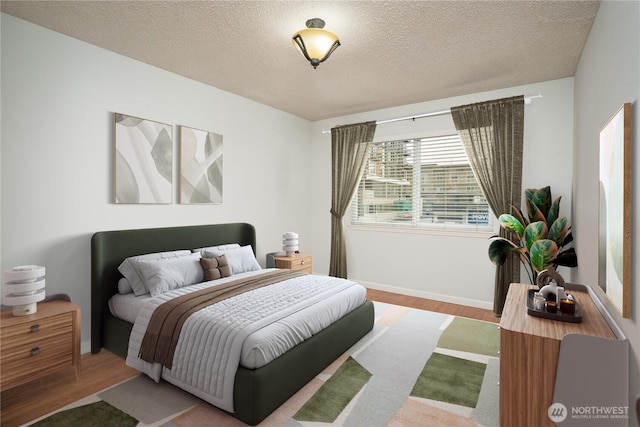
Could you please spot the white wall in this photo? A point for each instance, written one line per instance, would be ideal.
(58, 99)
(447, 268)
(608, 75)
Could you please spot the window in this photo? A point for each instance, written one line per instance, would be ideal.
(425, 182)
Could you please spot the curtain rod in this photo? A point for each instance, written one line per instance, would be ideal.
(527, 100)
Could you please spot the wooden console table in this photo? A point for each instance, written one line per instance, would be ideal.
(529, 351)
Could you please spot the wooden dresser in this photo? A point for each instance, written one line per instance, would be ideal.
(297, 262)
(38, 344)
(529, 349)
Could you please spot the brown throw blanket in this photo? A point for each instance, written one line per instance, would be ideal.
(161, 337)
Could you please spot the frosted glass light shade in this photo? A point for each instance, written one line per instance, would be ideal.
(315, 43)
(23, 289)
(290, 243)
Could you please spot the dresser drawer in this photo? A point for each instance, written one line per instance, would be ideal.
(22, 362)
(34, 330)
(301, 263)
(297, 262)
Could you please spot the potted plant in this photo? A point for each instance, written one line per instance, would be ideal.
(541, 240)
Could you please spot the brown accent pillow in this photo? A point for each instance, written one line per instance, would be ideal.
(215, 268)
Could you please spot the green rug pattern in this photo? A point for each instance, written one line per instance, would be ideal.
(98, 414)
(336, 393)
(471, 336)
(450, 379)
(414, 368)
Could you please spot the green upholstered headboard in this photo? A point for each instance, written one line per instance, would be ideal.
(110, 248)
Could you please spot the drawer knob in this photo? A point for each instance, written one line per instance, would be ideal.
(301, 261)
(35, 328)
(35, 351)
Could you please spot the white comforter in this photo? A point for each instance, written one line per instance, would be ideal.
(213, 340)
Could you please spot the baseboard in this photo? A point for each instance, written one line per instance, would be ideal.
(428, 295)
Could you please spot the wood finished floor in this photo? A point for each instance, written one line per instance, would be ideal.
(98, 371)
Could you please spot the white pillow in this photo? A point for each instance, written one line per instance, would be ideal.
(219, 248)
(129, 269)
(240, 259)
(124, 287)
(171, 273)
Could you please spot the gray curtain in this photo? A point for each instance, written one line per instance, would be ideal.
(492, 136)
(349, 149)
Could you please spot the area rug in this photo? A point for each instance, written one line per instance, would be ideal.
(415, 368)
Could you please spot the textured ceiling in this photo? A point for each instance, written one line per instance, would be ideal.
(393, 52)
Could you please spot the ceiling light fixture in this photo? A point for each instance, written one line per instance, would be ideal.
(316, 43)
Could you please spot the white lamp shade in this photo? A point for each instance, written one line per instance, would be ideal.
(314, 42)
(290, 243)
(23, 288)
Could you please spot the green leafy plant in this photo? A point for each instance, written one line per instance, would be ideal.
(542, 240)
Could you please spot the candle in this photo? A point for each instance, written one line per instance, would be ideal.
(568, 306)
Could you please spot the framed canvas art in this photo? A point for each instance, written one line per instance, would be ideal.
(614, 262)
(143, 160)
(200, 166)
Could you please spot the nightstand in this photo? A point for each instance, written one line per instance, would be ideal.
(36, 345)
(297, 262)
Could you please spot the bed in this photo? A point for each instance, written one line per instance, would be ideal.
(256, 392)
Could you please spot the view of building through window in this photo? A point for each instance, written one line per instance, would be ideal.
(424, 182)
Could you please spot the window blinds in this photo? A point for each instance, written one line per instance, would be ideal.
(420, 183)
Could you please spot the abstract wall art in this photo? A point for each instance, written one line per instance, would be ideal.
(614, 272)
(200, 166)
(143, 161)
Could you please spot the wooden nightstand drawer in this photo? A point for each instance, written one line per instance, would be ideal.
(34, 330)
(302, 263)
(38, 344)
(44, 356)
(297, 262)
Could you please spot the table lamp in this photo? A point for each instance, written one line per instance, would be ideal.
(23, 288)
(290, 243)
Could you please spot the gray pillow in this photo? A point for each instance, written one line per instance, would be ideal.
(129, 268)
(240, 259)
(164, 275)
(219, 248)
